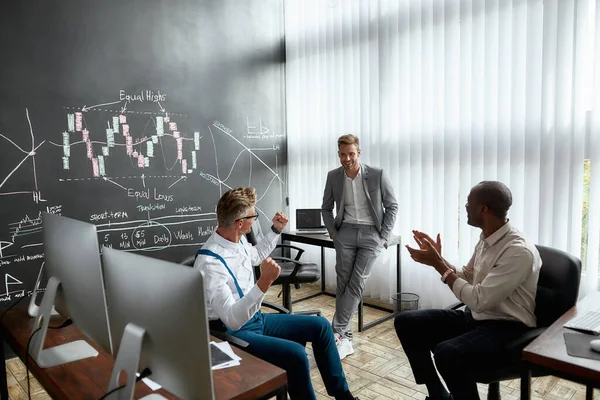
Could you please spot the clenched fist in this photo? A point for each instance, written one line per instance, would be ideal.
(269, 271)
(280, 220)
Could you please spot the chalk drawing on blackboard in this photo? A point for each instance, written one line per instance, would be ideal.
(29, 157)
(26, 226)
(136, 139)
(159, 145)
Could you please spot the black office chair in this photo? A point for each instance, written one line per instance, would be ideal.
(557, 292)
(293, 271)
(218, 331)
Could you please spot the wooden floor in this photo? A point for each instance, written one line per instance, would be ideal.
(378, 370)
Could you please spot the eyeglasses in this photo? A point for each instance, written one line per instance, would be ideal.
(254, 217)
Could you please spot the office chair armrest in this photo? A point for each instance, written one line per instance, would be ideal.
(297, 264)
(455, 306)
(289, 246)
(525, 338)
(229, 338)
(276, 307)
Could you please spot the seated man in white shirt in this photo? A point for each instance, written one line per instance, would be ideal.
(498, 286)
(235, 300)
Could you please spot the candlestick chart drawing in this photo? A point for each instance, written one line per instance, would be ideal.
(147, 179)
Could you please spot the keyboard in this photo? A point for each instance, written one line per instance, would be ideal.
(588, 323)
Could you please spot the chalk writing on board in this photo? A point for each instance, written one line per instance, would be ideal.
(258, 130)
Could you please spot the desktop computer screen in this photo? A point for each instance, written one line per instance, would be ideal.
(75, 288)
(161, 307)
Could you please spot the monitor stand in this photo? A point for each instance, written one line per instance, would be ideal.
(58, 355)
(128, 360)
(34, 310)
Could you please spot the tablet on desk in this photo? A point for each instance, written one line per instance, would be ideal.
(217, 356)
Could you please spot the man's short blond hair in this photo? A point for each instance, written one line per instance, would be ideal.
(234, 204)
(349, 139)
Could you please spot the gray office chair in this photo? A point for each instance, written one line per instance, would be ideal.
(293, 271)
(557, 292)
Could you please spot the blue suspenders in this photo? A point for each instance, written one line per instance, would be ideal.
(218, 257)
(258, 314)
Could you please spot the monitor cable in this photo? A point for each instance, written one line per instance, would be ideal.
(66, 323)
(144, 374)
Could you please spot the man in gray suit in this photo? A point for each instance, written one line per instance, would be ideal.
(365, 215)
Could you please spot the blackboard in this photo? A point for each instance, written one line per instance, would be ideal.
(135, 116)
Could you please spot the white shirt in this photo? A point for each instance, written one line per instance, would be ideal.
(222, 298)
(356, 206)
(500, 280)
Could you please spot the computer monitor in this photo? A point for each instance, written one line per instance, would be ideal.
(75, 288)
(158, 321)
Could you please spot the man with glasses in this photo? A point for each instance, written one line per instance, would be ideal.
(234, 300)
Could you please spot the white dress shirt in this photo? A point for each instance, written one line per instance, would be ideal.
(356, 206)
(500, 280)
(223, 300)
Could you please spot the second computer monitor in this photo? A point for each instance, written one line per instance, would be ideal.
(161, 306)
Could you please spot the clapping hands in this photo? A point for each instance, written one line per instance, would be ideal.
(429, 251)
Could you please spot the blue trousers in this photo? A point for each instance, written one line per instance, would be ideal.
(280, 339)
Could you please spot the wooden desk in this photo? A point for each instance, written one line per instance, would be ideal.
(548, 353)
(324, 241)
(88, 379)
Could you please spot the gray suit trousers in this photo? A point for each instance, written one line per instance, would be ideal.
(356, 248)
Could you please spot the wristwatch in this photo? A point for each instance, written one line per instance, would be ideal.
(275, 230)
(445, 276)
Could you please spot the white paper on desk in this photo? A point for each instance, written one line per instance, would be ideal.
(223, 346)
(226, 365)
(149, 382)
(226, 348)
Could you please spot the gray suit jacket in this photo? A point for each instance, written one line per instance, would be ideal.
(380, 196)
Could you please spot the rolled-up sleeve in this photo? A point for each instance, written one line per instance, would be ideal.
(219, 288)
(509, 272)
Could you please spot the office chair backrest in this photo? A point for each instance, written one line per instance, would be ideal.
(558, 285)
(255, 233)
(189, 261)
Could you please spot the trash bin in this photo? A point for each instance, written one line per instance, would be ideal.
(405, 302)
